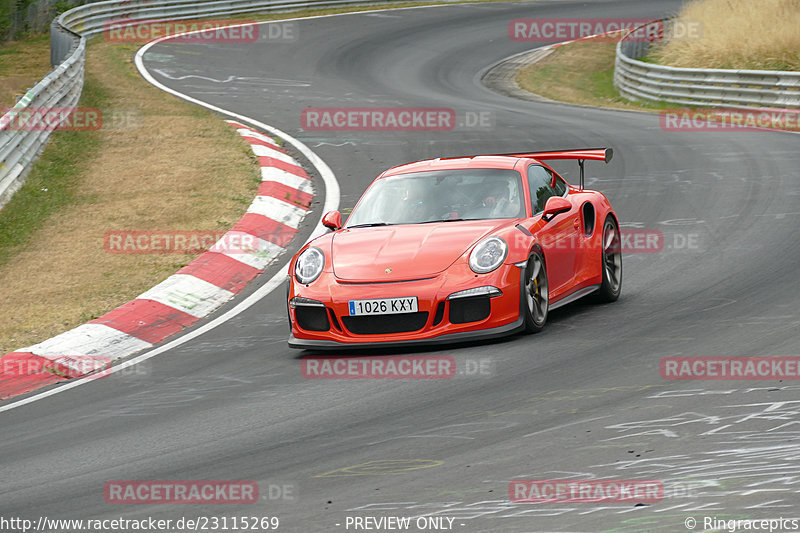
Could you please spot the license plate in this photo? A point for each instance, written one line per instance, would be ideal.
(383, 306)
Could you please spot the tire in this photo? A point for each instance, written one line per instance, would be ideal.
(611, 262)
(534, 293)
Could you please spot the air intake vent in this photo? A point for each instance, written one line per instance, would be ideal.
(473, 309)
(385, 324)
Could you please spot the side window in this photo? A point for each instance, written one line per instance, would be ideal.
(561, 187)
(539, 179)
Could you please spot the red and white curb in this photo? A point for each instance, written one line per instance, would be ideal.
(193, 292)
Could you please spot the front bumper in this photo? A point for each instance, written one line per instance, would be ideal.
(447, 338)
(437, 321)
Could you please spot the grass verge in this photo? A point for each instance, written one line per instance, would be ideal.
(579, 73)
(22, 64)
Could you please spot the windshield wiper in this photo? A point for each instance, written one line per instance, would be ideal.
(369, 225)
(447, 220)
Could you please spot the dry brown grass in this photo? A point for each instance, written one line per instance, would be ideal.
(578, 73)
(22, 64)
(175, 166)
(738, 34)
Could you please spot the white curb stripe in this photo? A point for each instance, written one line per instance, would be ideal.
(259, 136)
(283, 212)
(88, 339)
(248, 249)
(261, 260)
(245, 131)
(189, 294)
(287, 178)
(275, 174)
(266, 151)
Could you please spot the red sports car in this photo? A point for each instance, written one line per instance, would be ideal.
(449, 250)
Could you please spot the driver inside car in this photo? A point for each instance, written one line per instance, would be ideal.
(501, 201)
(415, 205)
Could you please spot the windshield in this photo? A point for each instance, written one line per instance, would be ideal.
(441, 195)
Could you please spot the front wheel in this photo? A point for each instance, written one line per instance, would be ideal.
(535, 295)
(612, 262)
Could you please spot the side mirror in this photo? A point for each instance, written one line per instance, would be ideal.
(332, 220)
(555, 206)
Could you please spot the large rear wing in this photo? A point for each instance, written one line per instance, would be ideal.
(595, 154)
(581, 154)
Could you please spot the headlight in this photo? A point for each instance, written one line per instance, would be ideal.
(488, 255)
(486, 290)
(309, 265)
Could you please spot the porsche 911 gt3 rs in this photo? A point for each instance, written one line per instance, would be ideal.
(456, 249)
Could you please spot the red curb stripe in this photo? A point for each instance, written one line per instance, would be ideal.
(265, 228)
(240, 126)
(221, 270)
(260, 142)
(147, 320)
(22, 372)
(286, 193)
(265, 161)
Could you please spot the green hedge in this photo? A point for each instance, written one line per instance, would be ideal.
(7, 9)
(21, 18)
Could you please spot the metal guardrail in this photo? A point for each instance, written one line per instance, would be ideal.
(638, 80)
(60, 89)
(68, 32)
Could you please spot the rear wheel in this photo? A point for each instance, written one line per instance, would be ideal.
(535, 295)
(612, 262)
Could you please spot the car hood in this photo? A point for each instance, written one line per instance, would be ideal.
(404, 252)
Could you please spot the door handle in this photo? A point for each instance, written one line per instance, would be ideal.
(576, 223)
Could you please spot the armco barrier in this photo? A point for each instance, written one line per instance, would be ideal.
(68, 32)
(59, 89)
(637, 80)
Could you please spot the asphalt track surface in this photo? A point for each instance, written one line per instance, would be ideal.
(582, 399)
